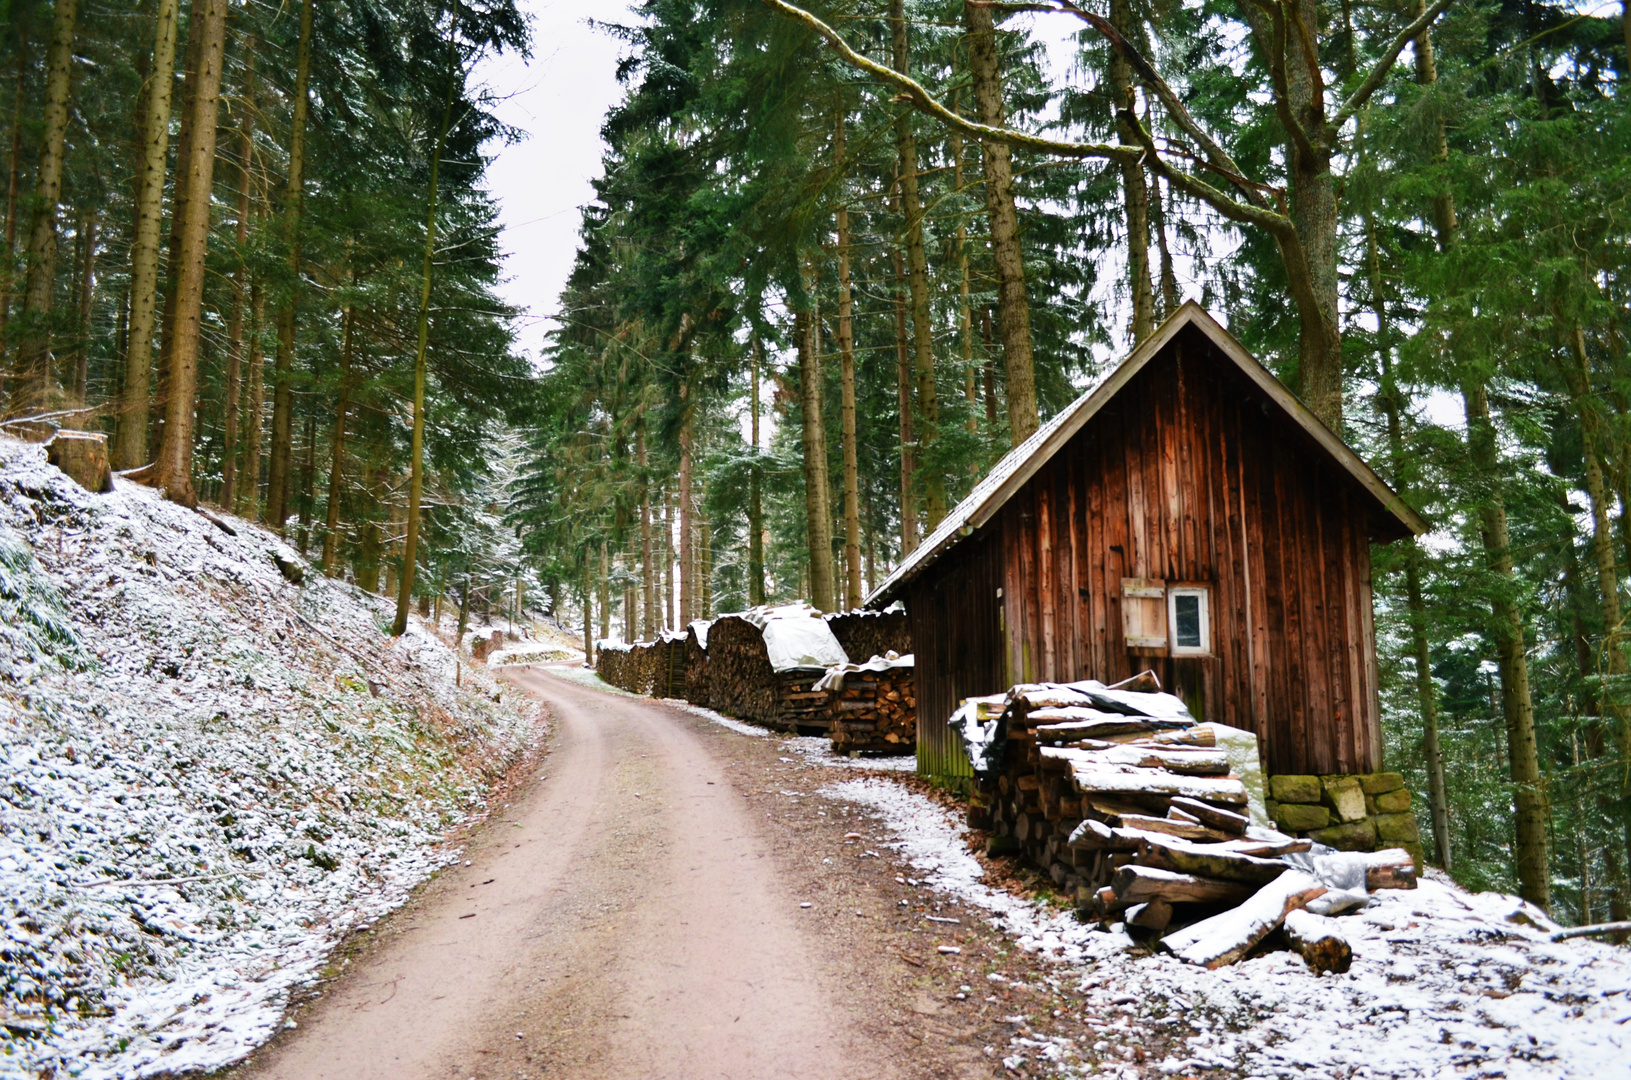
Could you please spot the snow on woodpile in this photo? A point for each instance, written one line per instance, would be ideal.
(208, 774)
(1442, 982)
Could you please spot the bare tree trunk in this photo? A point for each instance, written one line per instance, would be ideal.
(34, 385)
(588, 610)
(965, 312)
(846, 383)
(756, 518)
(240, 286)
(336, 471)
(14, 174)
(176, 451)
(705, 557)
(1135, 191)
(255, 405)
(648, 569)
(87, 240)
(130, 447)
(688, 577)
(903, 387)
(1533, 814)
(605, 592)
(917, 265)
(818, 516)
(416, 481)
(308, 482)
(178, 216)
(1158, 221)
(668, 558)
(277, 479)
(1013, 311)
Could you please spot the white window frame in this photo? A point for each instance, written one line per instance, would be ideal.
(1205, 595)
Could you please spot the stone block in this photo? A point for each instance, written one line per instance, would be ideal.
(1379, 783)
(1344, 796)
(1272, 808)
(1392, 802)
(1418, 854)
(1397, 829)
(1301, 817)
(1349, 836)
(1294, 789)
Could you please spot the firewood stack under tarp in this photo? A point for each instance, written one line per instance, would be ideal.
(1155, 821)
(695, 690)
(872, 706)
(763, 664)
(668, 665)
(871, 633)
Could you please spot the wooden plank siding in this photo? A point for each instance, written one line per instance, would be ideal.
(1186, 475)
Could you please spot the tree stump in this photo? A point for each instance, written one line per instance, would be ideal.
(83, 457)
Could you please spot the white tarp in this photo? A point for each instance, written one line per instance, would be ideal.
(800, 641)
(834, 679)
(700, 628)
(1241, 748)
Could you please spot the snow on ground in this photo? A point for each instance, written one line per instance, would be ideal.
(1444, 983)
(208, 775)
(817, 751)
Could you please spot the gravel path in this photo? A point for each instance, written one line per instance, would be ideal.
(625, 917)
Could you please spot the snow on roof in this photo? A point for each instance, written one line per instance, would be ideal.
(1023, 461)
(699, 627)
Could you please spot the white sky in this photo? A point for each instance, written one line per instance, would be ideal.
(558, 98)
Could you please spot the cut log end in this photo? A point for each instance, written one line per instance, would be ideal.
(83, 457)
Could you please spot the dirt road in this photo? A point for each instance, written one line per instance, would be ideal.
(623, 918)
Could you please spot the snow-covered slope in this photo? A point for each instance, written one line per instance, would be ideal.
(207, 774)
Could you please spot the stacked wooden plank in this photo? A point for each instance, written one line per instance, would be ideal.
(668, 665)
(696, 662)
(1124, 800)
(872, 706)
(871, 633)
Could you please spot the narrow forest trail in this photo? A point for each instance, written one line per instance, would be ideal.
(625, 917)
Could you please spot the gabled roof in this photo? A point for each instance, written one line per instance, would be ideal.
(1022, 462)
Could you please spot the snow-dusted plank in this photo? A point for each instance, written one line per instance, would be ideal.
(1225, 938)
(1183, 762)
(1105, 779)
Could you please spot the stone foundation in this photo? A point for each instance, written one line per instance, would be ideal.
(1368, 812)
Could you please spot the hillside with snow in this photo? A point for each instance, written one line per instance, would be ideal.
(208, 774)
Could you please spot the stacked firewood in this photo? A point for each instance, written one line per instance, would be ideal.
(696, 662)
(668, 665)
(614, 663)
(871, 633)
(741, 682)
(1123, 799)
(872, 706)
(801, 705)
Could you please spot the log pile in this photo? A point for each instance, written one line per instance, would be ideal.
(872, 707)
(741, 682)
(614, 663)
(696, 662)
(668, 665)
(1122, 799)
(871, 633)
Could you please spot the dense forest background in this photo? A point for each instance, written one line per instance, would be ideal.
(843, 257)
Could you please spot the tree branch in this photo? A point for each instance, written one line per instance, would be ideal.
(1279, 225)
(920, 99)
(1379, 73)
(1216, 157)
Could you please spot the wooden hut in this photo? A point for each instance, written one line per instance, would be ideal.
(1189, 515)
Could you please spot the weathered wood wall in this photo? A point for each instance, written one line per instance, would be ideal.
(957, 638)
(1189, 474)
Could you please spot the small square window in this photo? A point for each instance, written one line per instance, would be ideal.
(1189, 621)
